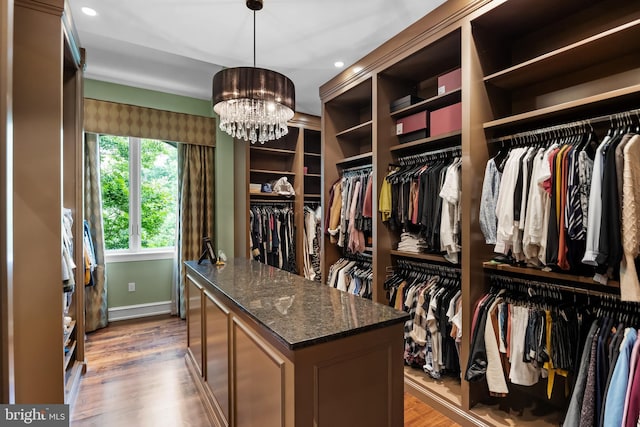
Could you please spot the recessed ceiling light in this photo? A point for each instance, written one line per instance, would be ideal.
(357, 69)
(338, 64)
(88, 11)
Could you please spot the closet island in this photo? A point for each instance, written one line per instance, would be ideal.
(267, 347)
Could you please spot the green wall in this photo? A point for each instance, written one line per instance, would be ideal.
(152, 279)
(224, 238)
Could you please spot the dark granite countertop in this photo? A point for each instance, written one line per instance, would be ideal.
(297, 311)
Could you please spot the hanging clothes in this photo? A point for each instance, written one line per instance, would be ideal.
(422, 200)
(349, 223)
(272, 236)
(352, 275)
(311, 249)
(523, 333)
(68, 265)
(433, 333)
(561, 205)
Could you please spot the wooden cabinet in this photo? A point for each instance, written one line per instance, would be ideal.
(525, 65)
(195, 324)
(47, 177)
(217, 353)
(296, 156)
(251, 377)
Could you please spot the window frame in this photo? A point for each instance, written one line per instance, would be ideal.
(136, 252)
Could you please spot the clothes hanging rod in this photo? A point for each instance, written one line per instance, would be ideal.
(270, 202)
(357, 168)
(431, 153)
(557, 286)
(590, 121)
(427, 266)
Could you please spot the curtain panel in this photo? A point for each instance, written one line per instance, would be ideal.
(95, 297)
(112, 118)
(196, 197)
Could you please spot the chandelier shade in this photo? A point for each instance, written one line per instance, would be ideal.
(253, 103)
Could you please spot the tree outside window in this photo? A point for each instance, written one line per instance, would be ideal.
(139, 180)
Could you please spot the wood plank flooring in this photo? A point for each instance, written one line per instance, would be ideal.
(137, 376)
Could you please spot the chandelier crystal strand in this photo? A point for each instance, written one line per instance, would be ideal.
(254, 120)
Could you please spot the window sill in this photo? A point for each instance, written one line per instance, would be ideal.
(139, 256)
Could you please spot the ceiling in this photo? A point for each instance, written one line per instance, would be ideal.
(176, 46)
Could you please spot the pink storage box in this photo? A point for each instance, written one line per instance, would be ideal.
(446, 120)
(449, 81)
(412, 123)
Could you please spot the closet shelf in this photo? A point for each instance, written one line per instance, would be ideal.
(425, 257)
(599, 48)
(67, 336)
(274, 151)
(353, 160)
(420, 143)
(271, 172)
(356, 132)
(589, 103)
(312, 196)
(533, 272)
(430, 104)
(272, 195)
(69, 355)
(313, 175)
(306, 153)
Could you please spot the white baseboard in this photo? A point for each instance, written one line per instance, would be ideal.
(139, 310)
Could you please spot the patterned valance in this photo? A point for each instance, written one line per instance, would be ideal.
(113, 118)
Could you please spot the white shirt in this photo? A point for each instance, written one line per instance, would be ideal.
(504, 207)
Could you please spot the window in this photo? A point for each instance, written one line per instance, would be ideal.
(139, 179)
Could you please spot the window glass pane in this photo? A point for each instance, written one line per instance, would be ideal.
(114, 178)
(158, 193)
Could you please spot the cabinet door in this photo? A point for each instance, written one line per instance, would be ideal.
(194, 320)
(217, 354)
(259, 380)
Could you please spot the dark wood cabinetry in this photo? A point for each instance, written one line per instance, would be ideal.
(524, 65)
(296, 156)
(47, 177)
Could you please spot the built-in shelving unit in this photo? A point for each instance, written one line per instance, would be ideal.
(525, 64)
(296, 156)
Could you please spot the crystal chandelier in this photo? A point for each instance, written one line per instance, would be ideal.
(253, 104)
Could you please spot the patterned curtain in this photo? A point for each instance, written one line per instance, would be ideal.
(196, 216)
(95, 297)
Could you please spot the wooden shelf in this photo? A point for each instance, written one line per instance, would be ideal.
(430, 104)
(312, 196)
(534, 272)
(359, 159)
(276, 151)
(69, 355)
(610, 44)
(271, 172)
(452, 136)
(313, 175)
(421, 256)
(356, 132)
(72, 327)
(312, 154)
(573, 107)
(272, 195)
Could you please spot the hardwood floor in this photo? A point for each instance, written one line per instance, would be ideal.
(137, 376)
